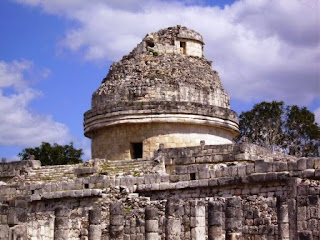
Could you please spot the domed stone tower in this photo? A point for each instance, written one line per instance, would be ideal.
(164, 91)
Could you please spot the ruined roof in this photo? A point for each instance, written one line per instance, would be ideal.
(166, 68)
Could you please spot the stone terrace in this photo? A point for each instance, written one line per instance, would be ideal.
(238, 190)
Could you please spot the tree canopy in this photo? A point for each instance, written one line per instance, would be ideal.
(274, 125)
(53, 154)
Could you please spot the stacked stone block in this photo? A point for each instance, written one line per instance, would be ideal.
(94, 224)
(151, 223)
(173, 219)
(4, 227)
(308, 210)
(216, 220)
(198, 220)
(61, 223)
(233, 222)
(116, 220)
(283, 218)
(260, 217)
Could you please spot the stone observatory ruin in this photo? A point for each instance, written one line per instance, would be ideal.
(164, 165)
(165, 92)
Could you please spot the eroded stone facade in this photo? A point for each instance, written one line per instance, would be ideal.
(234, 191)
(151, 135)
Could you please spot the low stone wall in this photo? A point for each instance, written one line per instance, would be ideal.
(233, 198)
(17, 168)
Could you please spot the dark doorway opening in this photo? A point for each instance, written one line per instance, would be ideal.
(183, 47)
(192, 176)
(136, 150)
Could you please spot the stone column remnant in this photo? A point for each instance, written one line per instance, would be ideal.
(94, 224)
(292, 207)
(61, 223)
(198, 219)
(216, 220)
(233, 218)
(173, 221)
(283, 218)
(116, 220)
(152, 223)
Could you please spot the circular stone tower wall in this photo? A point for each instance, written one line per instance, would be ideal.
(164, 91)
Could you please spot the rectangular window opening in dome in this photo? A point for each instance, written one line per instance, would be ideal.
(136, 150)
(183, 47)
(192, 176)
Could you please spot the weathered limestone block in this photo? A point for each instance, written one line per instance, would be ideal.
(116, 220)
(94, 231)
(301, 164)
(61, 223)
(18, 232)
(216, 220)
(283, 218)
(262, 167)
(151, 224)
(234, 215)
(173, 228)
(4, 232)
(152, 236)
(197, 219)
(173, 219)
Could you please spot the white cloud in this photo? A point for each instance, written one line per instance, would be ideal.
(263, 49)
(18, 124)
(85, 145)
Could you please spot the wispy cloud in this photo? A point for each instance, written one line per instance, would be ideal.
(19, 125)
(263, 49)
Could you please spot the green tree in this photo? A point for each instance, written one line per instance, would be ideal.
(290, 128)
(53, 154)
(302, 134)
(263, 124)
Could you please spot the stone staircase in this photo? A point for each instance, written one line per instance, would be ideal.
(52, 173)
(135, 167)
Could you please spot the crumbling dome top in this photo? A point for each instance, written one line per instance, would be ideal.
(178, 39)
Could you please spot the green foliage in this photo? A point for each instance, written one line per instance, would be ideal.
(154, 52)
(127, 209)
(290, 128)
(53, 154)
(302, 134)
(263, 124)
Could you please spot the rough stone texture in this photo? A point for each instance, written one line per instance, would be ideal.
(215, 198)
(151, 135)
(228, 191)
(174, 94)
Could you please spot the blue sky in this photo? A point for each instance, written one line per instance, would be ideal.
(54, 54)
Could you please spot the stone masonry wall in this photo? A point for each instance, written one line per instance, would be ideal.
(167, 41)
(140, 77)
(227, 192)
(151, 135)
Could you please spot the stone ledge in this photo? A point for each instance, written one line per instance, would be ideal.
(66, 194)
(182, 118)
